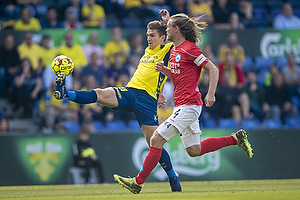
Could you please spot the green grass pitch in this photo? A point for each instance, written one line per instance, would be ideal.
(206, 190)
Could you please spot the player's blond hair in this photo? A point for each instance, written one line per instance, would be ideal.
(190, 28)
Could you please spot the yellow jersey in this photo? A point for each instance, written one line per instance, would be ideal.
(33, 25)
(32, 52)
(48, 55)
(96, 11)
(237, 51)
(112, 48)
(75, 53)
(145, 77)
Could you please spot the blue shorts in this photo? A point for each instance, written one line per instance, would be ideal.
(140, 103)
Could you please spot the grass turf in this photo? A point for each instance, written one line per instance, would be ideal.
(208, 190)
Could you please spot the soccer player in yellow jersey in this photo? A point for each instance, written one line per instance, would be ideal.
(142, 95)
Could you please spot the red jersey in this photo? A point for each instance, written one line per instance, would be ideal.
(186, 62)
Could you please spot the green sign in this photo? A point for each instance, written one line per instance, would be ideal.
(43, 157)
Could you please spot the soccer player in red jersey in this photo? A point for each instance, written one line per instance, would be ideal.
(186, 61)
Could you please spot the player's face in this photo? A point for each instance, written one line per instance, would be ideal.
(170, 31)
(154, 39)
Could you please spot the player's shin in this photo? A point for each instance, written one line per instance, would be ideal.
(83, 97)
(149, 164)
(213, 144)
(166, 164)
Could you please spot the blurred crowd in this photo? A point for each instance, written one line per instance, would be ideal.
(270, 91)
(77, 14)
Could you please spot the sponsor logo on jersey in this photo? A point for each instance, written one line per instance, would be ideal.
(175, 68)
(177, 57)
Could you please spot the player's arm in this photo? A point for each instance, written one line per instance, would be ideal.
(159, 67)
(213, 82)
(161, 101)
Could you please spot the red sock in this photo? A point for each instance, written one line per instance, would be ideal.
(213, 144)
(149, 164)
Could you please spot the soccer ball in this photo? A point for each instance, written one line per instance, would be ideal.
(62, 63)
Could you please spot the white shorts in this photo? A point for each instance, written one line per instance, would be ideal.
(184, 120)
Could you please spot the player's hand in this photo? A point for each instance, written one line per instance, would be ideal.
(165, 15)
(161, 100)
(159, 66)
(209, 100)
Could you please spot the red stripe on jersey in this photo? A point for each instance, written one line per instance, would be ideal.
(186, 74)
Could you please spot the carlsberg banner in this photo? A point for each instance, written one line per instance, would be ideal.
(265, 42)
(278, 44)
(47, 159)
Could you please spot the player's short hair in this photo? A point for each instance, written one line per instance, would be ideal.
(190, 28)
(160, 26)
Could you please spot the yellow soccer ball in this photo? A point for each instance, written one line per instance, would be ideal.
(64, 64)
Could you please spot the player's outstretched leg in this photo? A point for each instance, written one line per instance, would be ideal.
(129, 183)
(243, 142)
(60, 88)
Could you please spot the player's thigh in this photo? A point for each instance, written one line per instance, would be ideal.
(183, 116)
(148, 132)
(191, 138)
(107, 97)
(167, 130)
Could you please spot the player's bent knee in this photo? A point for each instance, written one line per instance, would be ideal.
(157, 140)
(193, 151)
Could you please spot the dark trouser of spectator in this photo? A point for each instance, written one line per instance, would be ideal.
(89, 165)
(257, 110)
(22, 100)
(276, 112)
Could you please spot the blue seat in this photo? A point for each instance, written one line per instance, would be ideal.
(261, 77)
(209, 123)
(134, 125)
(116, 126)
(281, 62)
(227, 123)
(72, 126)
(260, 12)
(297, 11)
(272, 123)
(295, 101)
(2, 81)
(292, 122)
(275, 11)
(250, 123)
(262, 63)
(248, 64)
(98, 125)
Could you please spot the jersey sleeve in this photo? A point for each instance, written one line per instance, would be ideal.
(198, 57)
